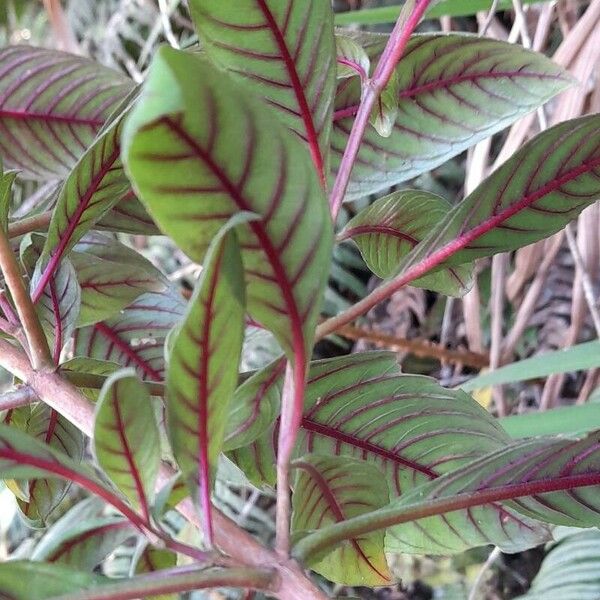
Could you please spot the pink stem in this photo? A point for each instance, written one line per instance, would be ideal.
(373, 88)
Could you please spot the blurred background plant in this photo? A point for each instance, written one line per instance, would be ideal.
(541, 298)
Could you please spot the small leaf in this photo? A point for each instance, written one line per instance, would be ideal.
(203, 369)
(126, 438)
(53, 430)
(385, 110)
(387, 230)
(546, 184)
(26, 580)
(52, 105)
(7, 178)
(352, 60)
(285, 54)
(107, 287)
(455, 90)
(329, 490)
(135, 338)
(86, 544)
(186, 171)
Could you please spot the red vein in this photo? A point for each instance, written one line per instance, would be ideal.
(383, 229)
(313, 140)
(50, 118)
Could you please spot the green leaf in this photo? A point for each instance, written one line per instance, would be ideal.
(107, 287)
(86, 544)
(7, 178)
(329, 490)
(136, 337)
(52, 105)
(285, 54)
(352, 60)
(183, 154)
(361, 406)
(385, 111)
(150, 559)
(128, 216)
(53, 430)
(94, 186)
(576, 358)
(203, 369)
(387, 230)
(552, 480)
(25, 580)
(89, 369)
(126, 438)
(546, 184)
(451, 8)
(571, 570)
(455, 90)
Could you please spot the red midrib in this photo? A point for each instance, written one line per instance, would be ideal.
(72, 224)
(350, 111)
(356, 442)
(133, 469)
(127, 350)
(383, 229)
(203, 400)
(68, 546)
(23, 115)
(311, 134)
(336, 509)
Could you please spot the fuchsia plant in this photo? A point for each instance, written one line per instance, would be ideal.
(243, 153)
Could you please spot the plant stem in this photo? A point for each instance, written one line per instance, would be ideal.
(27, 225)
(15, 398)
(404, 28)
(36, 339)
(182, 579)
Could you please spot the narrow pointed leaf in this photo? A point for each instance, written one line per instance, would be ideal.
(7, 179)
(52, 105)
(135, 338)
(537, 192)
(181, 156)
(385, 111)
(387, 230)
(107, 287)
(95, 185)
(126, 438)
(87, 543)
(50, 428)
(26, 580)
(361, 406)
(330, 490)
(553, 480)
(285, 53)
(455, 90)
(203, 369)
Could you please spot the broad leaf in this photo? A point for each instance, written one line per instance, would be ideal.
(126, 438)
(87, 543)
(455, 90)
(361, 406)
(537, 192)
(107, 286)
(387, 230)
(330, 490)
(52, 105)
(285, 54)
(128, 216)
(553, 480)
(25, 580)
(136, 337)
(82, 372)
(94, 186)
(203, 369)
(182, 152)
(50, 428)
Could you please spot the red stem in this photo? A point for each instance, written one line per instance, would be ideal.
(373, 88)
